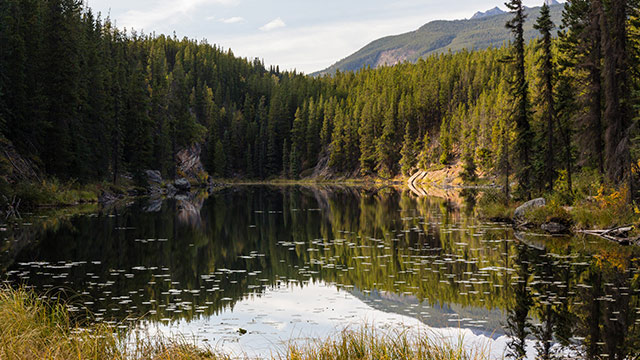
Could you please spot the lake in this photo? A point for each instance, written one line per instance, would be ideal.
(250, 269)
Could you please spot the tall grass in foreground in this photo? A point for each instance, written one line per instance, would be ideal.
(31, 328)
(370, 343)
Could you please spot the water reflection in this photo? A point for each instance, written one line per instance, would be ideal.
(192, 259)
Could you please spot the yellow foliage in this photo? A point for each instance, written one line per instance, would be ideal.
(612, 259)
(611, 197)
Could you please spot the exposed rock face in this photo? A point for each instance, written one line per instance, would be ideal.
(491, 12)
(394, 57)
(528, 206)
(189, 164)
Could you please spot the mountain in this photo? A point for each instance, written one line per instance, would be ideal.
(495, 11)
(480, 32)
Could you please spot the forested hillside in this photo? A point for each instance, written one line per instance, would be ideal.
(438, 37)
(84, 100)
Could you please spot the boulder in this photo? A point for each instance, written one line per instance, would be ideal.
(182, 185)
(528, 206)
(154, 176)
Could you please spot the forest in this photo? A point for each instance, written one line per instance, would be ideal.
(87, 102)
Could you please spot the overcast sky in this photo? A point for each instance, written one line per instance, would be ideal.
(295, 34)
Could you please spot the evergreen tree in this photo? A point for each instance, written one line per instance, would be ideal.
(520, 95)
(545, 62)
(408, 160)
(581, 51)
(219, 160)
(386, 150)
(366, 133)
(616, 85)
(286, 161)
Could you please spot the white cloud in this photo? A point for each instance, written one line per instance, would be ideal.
(233, 20)
(166, 11)
(315, 47)
(275, 24)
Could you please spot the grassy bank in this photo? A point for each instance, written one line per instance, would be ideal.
(53, 193)
(589, 205)
(34, 329)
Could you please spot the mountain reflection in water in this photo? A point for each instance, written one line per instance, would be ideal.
(186, 264)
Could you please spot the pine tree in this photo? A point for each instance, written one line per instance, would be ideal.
(286, 161)
(520, 95)
(544, 25)
(616, 85)
(408, 160)
(220, 160)
(386, 151)
(580, 46)
(366, 134)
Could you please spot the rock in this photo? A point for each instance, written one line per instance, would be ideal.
(182, 185)
(555, 228)
(154, 176)
(189, 164)
(528, 206)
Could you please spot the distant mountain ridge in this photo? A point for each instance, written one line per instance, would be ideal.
(495, 11)
(483, 30)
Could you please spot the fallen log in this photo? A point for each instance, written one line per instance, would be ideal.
(619, 234)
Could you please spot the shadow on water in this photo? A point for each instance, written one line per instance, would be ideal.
(428, 258)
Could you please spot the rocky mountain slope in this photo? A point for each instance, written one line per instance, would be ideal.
(480, 32)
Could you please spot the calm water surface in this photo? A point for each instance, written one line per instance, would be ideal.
(289, 264)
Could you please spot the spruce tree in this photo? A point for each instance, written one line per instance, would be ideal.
(616, 89)
(544, 25)
(580, 49)
(520, 99)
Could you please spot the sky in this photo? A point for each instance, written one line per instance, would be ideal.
(303, 35)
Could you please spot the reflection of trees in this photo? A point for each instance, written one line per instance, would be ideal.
(548, 304)
(608, 311)
(518, 323)
(581, 296)
(383, 240)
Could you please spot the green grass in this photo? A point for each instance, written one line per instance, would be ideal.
(492, 206)
(589, 206)
(35, 329)
(55, 193)
(550, 213)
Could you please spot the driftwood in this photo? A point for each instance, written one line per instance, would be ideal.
(618, 234)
